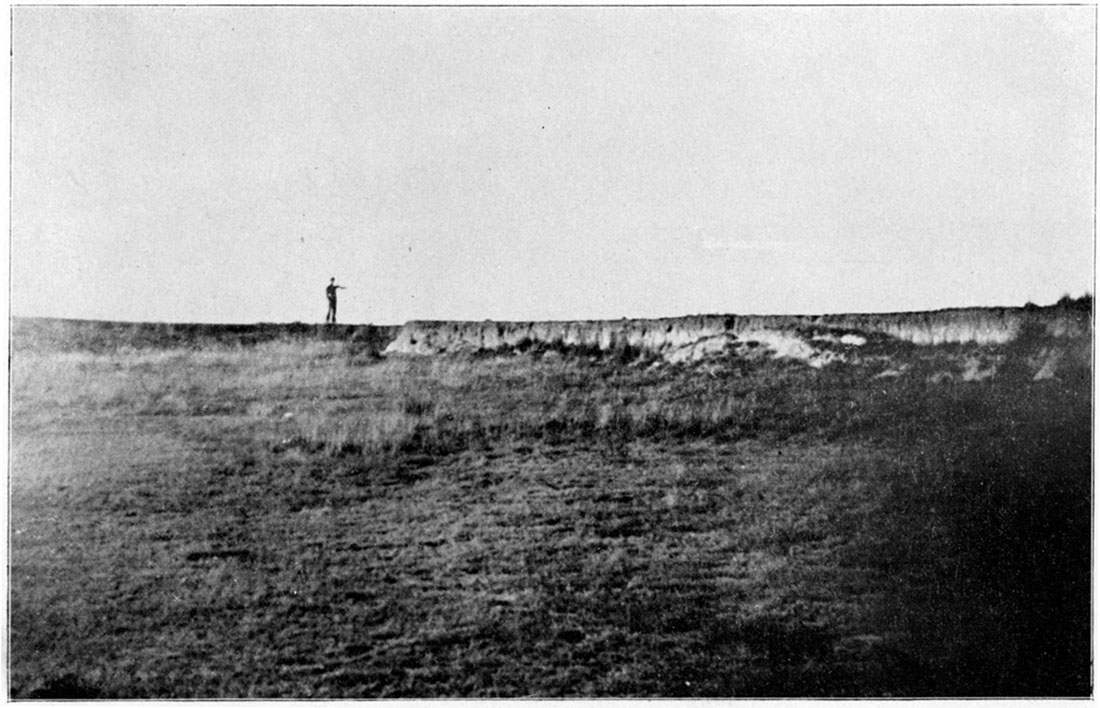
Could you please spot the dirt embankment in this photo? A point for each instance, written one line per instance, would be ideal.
(691, 338)
(816, 339)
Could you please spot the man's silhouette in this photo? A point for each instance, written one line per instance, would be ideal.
(330, 318)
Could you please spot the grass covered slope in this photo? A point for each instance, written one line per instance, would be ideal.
(31, 334)
(298, 518)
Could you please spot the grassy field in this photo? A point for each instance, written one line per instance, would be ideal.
(304, 519)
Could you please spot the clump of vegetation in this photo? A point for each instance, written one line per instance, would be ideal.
(1083, 303)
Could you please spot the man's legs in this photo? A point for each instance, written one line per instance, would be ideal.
(331, 316)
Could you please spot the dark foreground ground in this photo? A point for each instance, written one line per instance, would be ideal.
(299, 518)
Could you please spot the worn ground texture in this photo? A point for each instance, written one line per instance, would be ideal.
(300, 517)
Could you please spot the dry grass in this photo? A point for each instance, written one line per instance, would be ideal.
(300, 519)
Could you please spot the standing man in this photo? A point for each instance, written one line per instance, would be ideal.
(330, 318)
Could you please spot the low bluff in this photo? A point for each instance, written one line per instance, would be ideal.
(1052, 332)
(682, 339)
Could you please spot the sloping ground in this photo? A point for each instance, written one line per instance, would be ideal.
(676, 339)
(702, 334)
(1048, 335)
(1039, 339)
(49, 334)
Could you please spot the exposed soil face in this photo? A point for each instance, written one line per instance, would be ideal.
(301, 518)
(680, 339)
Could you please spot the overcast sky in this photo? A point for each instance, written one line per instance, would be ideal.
(220, 164)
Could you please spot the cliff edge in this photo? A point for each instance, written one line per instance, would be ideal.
(816, 339)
